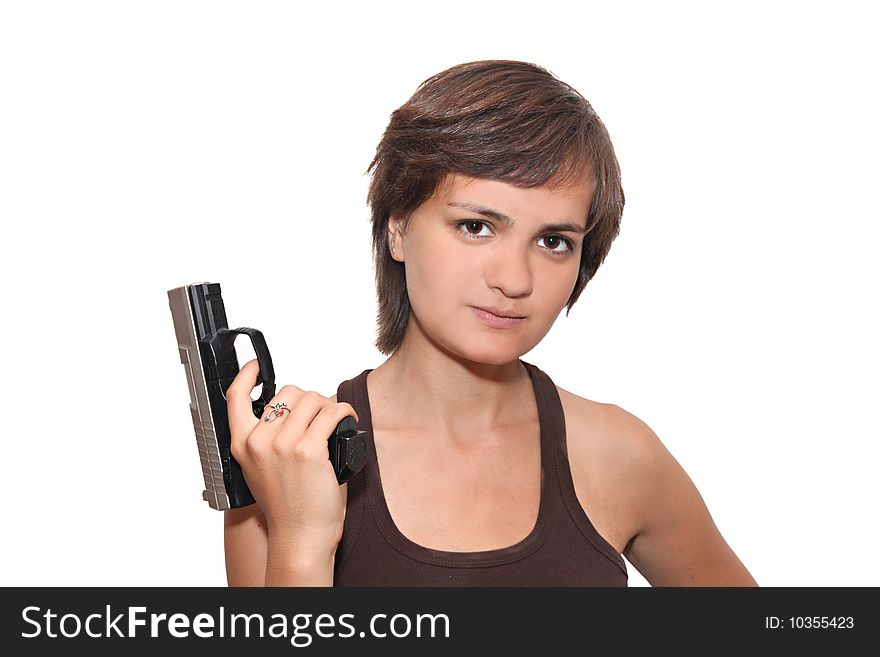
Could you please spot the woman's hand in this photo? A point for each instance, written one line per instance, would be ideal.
(286, 462)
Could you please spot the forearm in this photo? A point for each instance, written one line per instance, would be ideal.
(291, 564)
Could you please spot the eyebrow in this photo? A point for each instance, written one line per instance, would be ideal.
(499, 216)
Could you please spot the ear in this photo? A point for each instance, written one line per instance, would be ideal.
(395, 237)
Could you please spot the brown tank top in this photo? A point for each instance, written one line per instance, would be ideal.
(563, 548)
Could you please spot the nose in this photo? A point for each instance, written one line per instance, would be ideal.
(510, 272)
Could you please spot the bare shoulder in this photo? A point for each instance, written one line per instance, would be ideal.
(617, 438)
(628, 473)
(620, 445)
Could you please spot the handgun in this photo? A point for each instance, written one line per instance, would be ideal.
(207, 351)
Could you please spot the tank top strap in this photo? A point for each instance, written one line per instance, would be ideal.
(551, 410)
(550, 416)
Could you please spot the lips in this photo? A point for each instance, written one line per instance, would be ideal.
(499, 312)
(492, 320)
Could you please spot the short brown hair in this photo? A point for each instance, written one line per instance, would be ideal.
(502, 120)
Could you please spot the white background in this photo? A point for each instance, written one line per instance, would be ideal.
(148, 145)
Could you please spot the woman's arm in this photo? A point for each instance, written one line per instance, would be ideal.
(678, 543)
(252, 559)
(246, 544)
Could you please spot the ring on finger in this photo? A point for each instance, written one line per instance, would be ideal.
(276, 410)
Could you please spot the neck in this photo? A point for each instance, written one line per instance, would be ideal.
(429, 390)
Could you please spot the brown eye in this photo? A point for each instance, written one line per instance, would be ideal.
(553, 242)
(473, 229)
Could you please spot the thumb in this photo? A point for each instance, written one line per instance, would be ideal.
(238, 401)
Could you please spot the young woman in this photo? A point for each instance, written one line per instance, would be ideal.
(495, 197)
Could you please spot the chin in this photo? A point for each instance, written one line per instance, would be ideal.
(478, 345)
(490, 352)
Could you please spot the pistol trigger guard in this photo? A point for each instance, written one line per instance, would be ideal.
(225, 338)
(266, 375)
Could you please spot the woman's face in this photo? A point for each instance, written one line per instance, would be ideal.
(487, 244)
